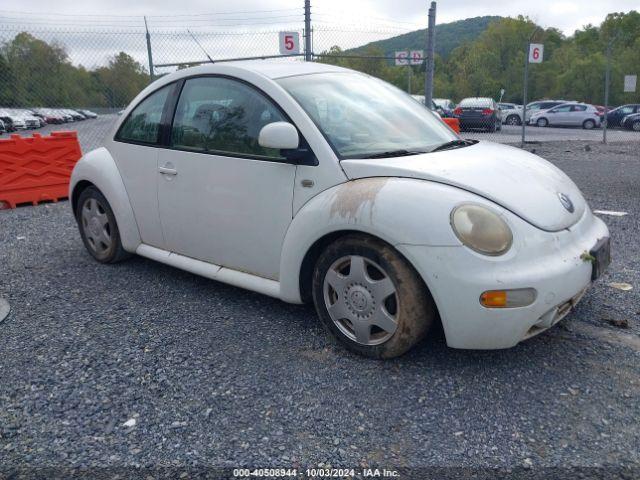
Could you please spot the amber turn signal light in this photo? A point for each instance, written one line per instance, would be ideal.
(520, 297)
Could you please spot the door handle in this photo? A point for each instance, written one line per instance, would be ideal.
(167, 171)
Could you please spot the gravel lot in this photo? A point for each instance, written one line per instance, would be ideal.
(217, 376)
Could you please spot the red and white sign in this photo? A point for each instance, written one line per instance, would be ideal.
(289, 43)
(416, 57)
(536, 51)
(402, 58)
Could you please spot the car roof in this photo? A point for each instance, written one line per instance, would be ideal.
(269, 68)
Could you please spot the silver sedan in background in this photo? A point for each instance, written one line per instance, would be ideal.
(571, 114)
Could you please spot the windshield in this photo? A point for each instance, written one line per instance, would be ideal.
(362, 117)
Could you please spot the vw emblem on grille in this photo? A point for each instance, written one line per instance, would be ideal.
(566, 202)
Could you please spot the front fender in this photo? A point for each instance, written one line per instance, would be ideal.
(396, 210)
(99, 168)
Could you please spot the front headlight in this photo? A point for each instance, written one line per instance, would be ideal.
(480, 229)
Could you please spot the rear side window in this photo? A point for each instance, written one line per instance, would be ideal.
(578, 108)
(143, 123)
(223, 116)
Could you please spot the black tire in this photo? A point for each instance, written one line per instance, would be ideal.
(542, 122)
(635, 126)
(513, 120)
(414, 308)
(103, 253)
(588, 124)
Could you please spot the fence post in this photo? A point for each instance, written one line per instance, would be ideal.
(307, 30)
(150, 57)
(428, 74)
(525, 84)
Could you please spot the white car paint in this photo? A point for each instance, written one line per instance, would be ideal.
(251, 223)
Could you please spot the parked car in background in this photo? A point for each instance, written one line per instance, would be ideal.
(66, 116)
(8, 122)
(567, 115)
(631, 122)
(49, 115)
(511, 113)
(446, 105)
(17, 122)
(479, 113)
(541, 105)
(615, 116)
(88, 113)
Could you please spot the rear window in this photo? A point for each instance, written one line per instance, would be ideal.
(476, 102)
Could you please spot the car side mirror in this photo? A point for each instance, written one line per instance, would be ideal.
(279, 135)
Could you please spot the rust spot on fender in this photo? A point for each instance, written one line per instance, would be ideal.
(353, 198)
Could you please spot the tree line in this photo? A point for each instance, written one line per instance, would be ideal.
(36, 73)
(573, 67)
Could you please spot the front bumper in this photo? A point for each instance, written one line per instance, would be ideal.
(549, 262)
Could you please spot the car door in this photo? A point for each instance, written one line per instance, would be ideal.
(560, 115)
(135, 151)
(222, 198)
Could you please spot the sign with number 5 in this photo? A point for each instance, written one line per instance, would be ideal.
(289, 43)
(536, 51)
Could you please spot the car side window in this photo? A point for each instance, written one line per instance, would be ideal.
(578, 108)
(566, 108)
(221, 115)
(626, 110)
(143, 123)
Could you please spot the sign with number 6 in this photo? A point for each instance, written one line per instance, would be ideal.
(536, 51)
(289, 43)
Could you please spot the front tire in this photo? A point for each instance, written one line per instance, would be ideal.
(370, 298)
(98, 227)
(513, 120)
(635, 126)
(542, 122)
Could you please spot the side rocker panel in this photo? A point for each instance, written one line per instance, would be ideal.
(99, 168)
(388, 208)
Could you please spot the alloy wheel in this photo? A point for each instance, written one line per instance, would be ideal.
(361, 300)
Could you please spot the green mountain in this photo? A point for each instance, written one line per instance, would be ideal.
(448, 37)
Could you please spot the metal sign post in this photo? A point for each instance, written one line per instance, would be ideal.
(534, 54)
(428, 76)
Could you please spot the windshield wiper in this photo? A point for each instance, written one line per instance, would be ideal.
(392, 153)
(454, 144)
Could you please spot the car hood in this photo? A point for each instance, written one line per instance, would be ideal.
(517, 180)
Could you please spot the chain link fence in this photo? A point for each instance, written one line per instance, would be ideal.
(56, 73)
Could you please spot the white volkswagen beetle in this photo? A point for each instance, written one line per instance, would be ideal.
(310, 182)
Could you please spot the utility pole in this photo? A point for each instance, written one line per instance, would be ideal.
(307, 31)
(146, 27)
(524, 87)
(428, 74)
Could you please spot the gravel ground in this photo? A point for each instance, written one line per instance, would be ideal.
(140, 364)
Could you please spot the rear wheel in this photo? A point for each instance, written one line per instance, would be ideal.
(635, 126)
(542, 122)
(588, 124)
(370, 298)
(513, 120)
(98, 227)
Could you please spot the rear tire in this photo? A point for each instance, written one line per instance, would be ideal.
(635, 126)
(370, 298)
(98, 227)
(588, 124)
(513, 120)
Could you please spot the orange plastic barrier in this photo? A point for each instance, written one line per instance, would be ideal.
(36, 169)
(453, 123)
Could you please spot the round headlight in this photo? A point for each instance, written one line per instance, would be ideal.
(481, 229)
